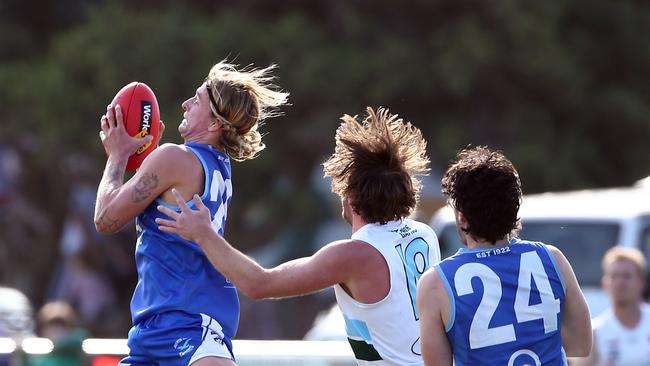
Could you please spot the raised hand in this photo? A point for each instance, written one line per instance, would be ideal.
(114, 137)
(189, 224)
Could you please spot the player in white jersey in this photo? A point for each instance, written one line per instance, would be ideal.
(408, 247)
(374, 170)
(622, 332)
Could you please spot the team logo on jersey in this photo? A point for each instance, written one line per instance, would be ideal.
(183, 346)
(405, 231)
(216, 337)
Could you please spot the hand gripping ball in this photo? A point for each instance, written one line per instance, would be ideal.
(141, 118)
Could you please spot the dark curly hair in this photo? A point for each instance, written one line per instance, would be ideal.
(484, 186)
(376, 164)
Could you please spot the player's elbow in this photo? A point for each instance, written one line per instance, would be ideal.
(104, 225)
(104, 230)
(101, 228)
(582, 350)
(578, 346)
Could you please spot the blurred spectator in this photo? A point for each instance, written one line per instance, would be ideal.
(58, 322)
(622, 333)
(25, 227)
(16, 319)
(80, 279)
(86, 288)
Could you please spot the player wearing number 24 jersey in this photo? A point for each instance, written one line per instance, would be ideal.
(521, 326)
(374, 170)
(501, 300)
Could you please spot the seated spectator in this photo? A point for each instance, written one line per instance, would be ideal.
(57, 321)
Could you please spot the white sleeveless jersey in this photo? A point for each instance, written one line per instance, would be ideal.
(621, 346)
(388, 332)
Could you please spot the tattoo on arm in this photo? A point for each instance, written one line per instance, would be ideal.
(112, 180)
(144, 186)
(115, 174)
(107, 223)
(113, 177)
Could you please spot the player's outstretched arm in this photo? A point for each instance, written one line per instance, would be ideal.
(433, 303)
(335, 263)
(576, 322)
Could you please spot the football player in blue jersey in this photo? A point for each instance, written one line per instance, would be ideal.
(184, 311)
(502, 300)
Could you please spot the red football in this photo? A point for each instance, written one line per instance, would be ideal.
(141, 118)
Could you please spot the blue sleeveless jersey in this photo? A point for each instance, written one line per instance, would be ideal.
(173, 273)
(505, 305)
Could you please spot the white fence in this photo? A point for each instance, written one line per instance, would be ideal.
(248, 352)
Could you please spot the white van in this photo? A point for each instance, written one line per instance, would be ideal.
(583, 224)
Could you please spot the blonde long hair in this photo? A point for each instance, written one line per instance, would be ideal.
(244, 99)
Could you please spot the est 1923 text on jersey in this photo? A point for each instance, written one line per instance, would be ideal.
(388, 331)
(505, 305)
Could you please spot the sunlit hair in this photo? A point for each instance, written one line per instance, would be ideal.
(484, 186)
(623, 253)
(244, 98)
(376, 164)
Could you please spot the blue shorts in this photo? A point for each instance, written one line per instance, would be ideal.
(176, 338)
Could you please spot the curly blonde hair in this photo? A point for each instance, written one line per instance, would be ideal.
(243, 100)
(377, 163)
